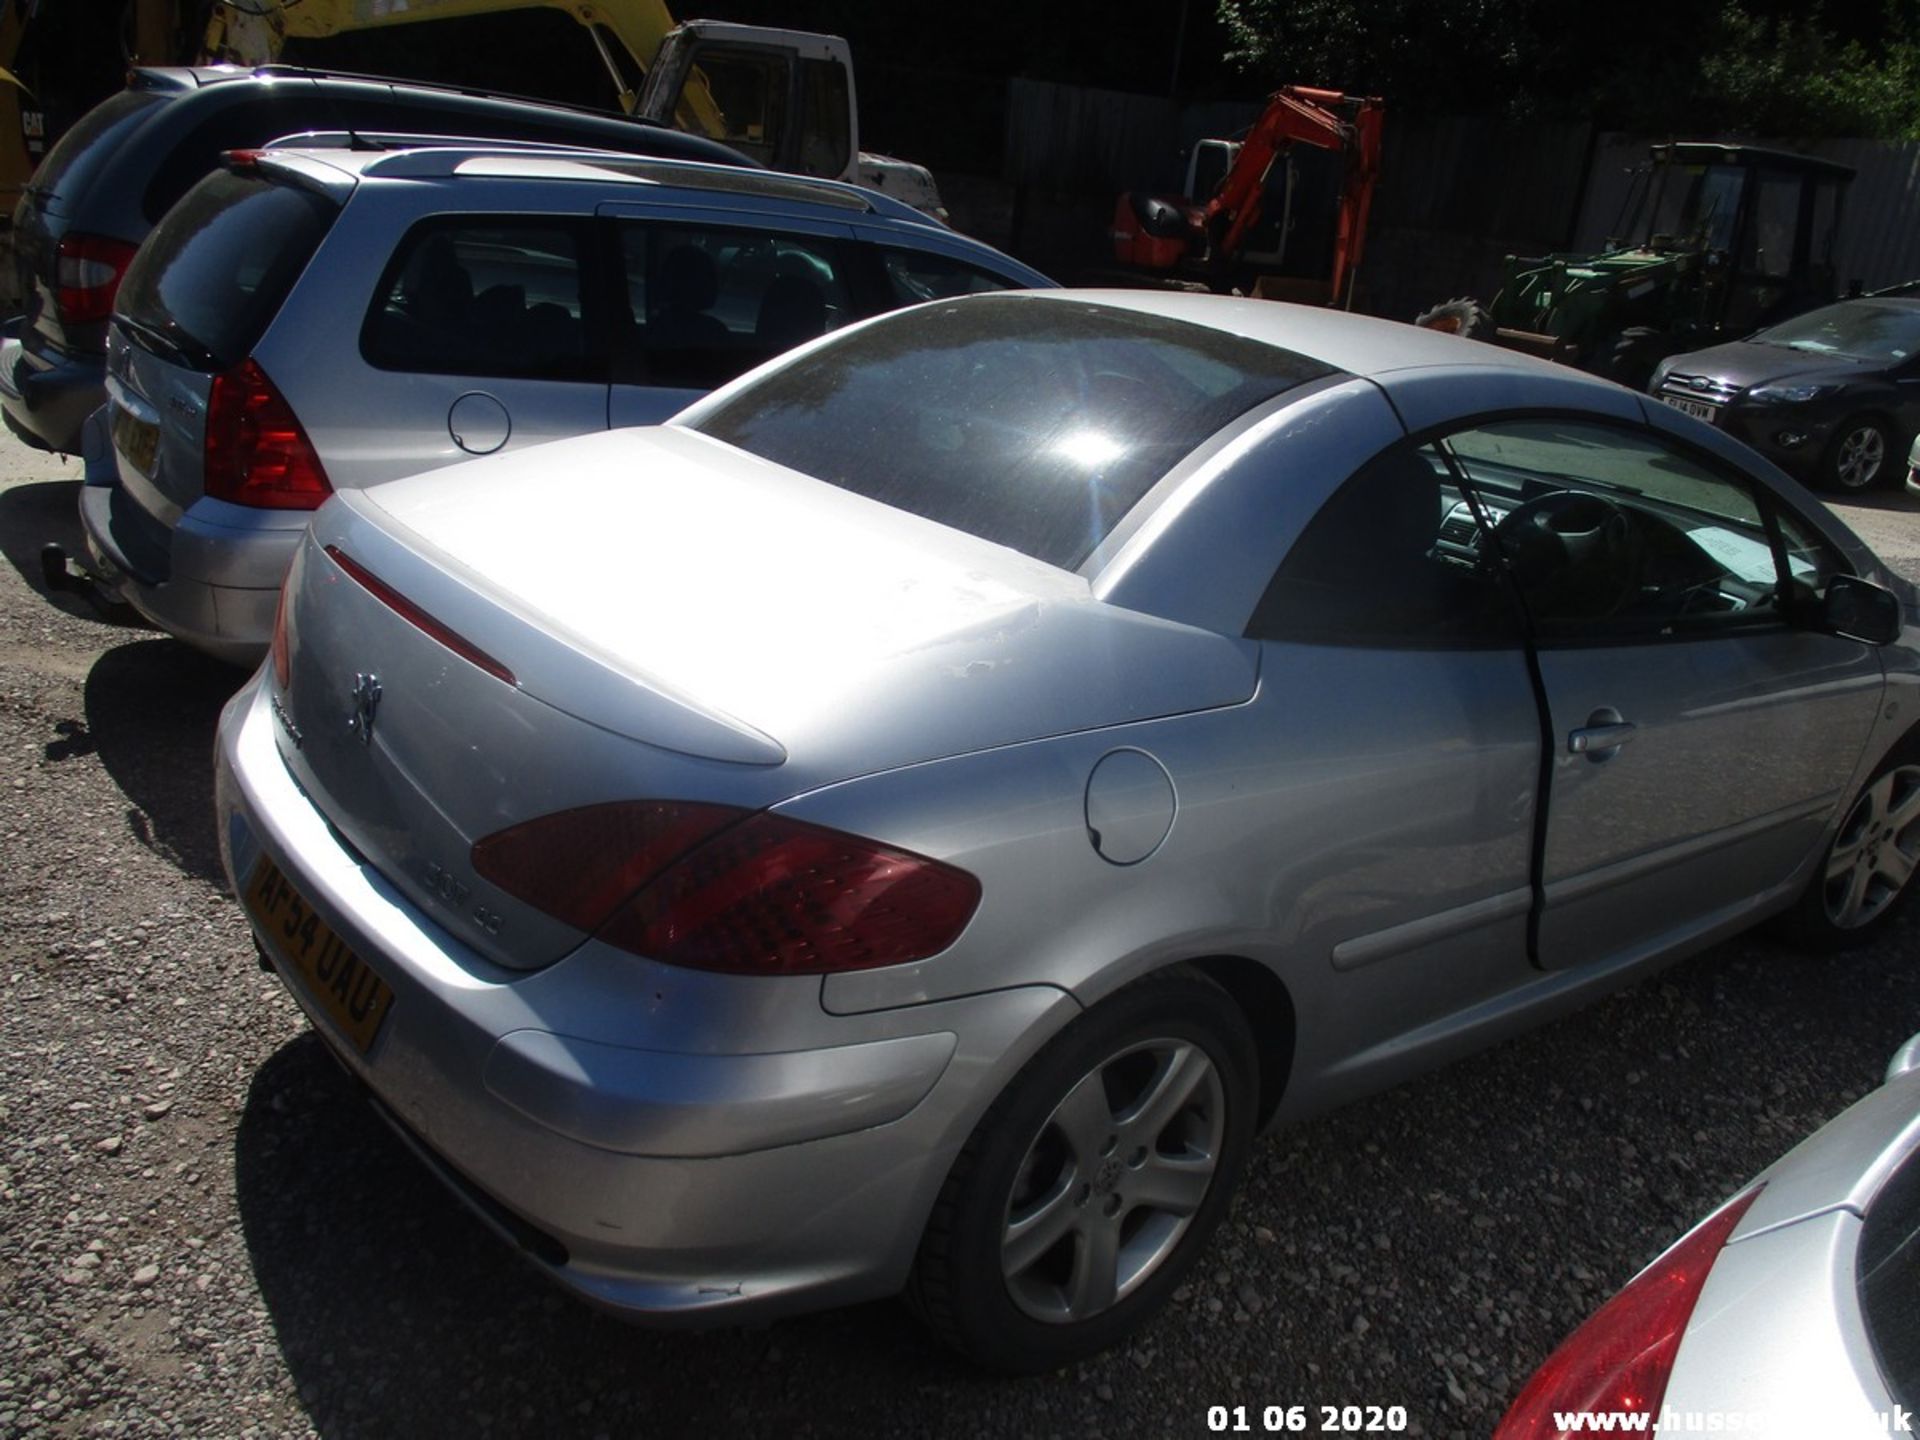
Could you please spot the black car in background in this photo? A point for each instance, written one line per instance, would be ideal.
(116, 172)
(1832, 396)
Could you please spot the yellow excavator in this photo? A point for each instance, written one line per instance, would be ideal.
(785, 97)
(627, 34)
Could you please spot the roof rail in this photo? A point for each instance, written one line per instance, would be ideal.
(451, 156)
(396, 140)
(315, 72)
(443, 156)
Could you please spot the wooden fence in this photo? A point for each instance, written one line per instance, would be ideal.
(1455, 197)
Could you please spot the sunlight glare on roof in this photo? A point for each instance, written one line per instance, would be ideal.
(1090, 448)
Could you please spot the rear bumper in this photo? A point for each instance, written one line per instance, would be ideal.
(46, 402)
(682, 1147)
(217, 582)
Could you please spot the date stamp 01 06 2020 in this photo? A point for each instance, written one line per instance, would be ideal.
(1308, 1419)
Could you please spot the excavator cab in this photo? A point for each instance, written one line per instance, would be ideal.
(784, 97)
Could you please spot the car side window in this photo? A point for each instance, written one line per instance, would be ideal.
(1391, 562)
(917, 275)
(706, 304)
(1610, 533)
(484, 296)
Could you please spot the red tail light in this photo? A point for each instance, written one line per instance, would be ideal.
(87, 276)
(1619, 1361)
(418, 618)
(707, 887)
(256, 451)
(579, 865)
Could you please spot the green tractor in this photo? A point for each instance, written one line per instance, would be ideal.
(1714, 242)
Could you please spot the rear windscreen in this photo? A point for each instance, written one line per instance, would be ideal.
(103, 127)
(1889, 1275)
(1034, 424)
(208, 280)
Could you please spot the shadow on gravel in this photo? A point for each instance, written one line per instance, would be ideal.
(151, 707)
(49, 510)
(31, 515)
(1488, 1207)
(397, 1312)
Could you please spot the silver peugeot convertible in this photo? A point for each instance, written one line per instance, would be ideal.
(910, 821)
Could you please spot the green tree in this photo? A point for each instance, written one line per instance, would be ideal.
(1792, 75)
(1776, 67)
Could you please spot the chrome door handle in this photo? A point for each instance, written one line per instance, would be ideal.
(1598, 741)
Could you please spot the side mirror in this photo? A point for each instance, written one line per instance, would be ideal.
(1858, 609)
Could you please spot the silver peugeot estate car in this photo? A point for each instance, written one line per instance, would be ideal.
(305, 322)
(1008, 753)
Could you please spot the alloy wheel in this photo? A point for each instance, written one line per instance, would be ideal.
(1877, 850)
(1113, 1179)
(1863, 451)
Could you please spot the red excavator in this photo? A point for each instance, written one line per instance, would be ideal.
(1258, 227)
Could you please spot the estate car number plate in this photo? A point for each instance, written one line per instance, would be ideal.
(1693, 408)
(135, 438)
(338, 981)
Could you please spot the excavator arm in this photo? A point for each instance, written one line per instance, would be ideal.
(251, 32)
(642, 23)
(1329, 120)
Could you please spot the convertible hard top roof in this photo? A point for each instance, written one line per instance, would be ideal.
(1358, 344)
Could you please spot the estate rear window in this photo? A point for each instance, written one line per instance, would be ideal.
(210, 278)
(1035, 424)
(104, 127)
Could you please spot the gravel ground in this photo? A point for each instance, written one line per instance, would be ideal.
(203, 1232)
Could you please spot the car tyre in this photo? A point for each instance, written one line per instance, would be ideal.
(1861, 456)
(1093, 1183)
(1866, 874)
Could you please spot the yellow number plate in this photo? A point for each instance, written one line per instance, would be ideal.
(135, 439)
(342, 984)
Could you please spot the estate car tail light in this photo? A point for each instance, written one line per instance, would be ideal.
(1619, 1361)
(714, 888)
(87, 273)
(419, 618)
(256, 451)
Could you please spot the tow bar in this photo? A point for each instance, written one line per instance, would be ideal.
(60, 572)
